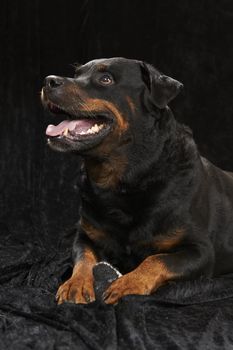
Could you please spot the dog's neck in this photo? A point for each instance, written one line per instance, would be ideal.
(106, 173)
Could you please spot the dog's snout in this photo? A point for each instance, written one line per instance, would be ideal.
(53, 81)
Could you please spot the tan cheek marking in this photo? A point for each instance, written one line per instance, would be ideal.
(92, 232)
(131, 104)
(74, 91)
(98, 105)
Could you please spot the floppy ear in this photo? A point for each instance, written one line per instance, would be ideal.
(162, 88)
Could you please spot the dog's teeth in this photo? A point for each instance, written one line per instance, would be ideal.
(93, 130)
(65, 132)
(96, 128)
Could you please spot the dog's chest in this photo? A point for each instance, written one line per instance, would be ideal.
(114, 221)
(118, 248)
(116, 211)
(122, 255)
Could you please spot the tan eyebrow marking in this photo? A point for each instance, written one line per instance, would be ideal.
(102, 67)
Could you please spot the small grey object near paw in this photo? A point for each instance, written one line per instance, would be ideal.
(104, 275)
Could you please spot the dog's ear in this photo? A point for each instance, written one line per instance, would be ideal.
(162, 88)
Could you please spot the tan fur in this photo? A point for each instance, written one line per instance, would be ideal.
(79, 287)
(92, 232)
(145, 279)
(166, 243)
(131, 104)
(99, 105)
(108, 173)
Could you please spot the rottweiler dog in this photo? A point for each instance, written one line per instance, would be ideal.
(151, 205)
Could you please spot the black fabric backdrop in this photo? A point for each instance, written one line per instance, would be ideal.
(39, 191)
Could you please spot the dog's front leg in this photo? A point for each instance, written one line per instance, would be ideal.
(79, 288)
(158, 269)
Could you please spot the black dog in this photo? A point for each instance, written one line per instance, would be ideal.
(151, 206)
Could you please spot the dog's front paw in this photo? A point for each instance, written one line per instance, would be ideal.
(78, 289)
(125, 285)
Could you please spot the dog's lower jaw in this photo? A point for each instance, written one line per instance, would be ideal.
(64, 143)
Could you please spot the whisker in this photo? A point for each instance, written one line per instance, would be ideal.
(85, 106)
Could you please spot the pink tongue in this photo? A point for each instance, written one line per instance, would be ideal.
(77, 125)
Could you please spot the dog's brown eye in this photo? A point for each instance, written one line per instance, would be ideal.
(106, 79)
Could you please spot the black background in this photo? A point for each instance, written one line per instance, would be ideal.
(190, 40)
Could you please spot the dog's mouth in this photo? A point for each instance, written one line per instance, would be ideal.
(84, 126)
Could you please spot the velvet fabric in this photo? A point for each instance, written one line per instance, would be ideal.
(39, 189)
(185, 315)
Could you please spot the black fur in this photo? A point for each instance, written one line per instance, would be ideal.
(165, 186)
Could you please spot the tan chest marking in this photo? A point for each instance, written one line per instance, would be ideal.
(169, 242)
(93, 233)
(165, 242)
(106, 174)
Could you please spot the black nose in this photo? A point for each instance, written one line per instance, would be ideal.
(53, 82)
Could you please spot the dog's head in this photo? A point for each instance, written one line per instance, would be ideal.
(108, 103)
